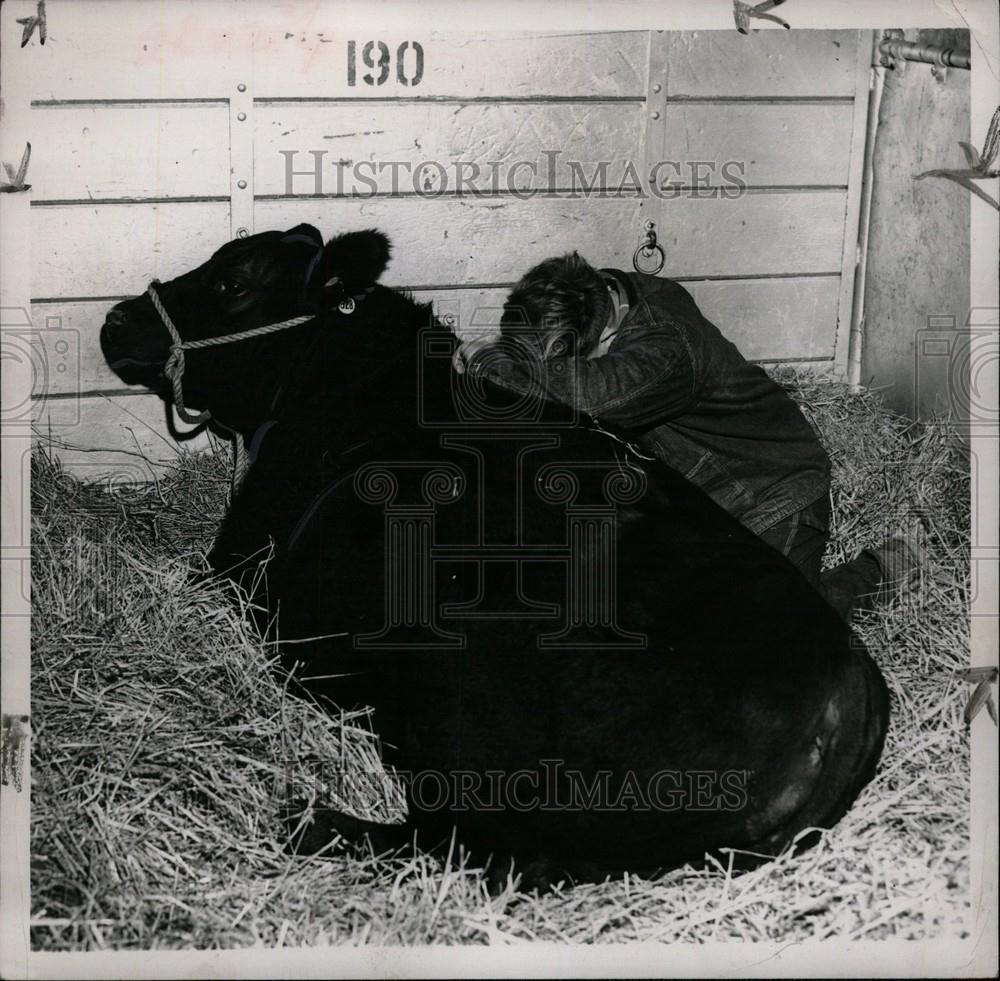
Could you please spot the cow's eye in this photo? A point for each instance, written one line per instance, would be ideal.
(231, 287)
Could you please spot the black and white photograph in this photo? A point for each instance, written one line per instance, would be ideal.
(499, 489)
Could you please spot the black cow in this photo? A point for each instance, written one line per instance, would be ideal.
(582, 661)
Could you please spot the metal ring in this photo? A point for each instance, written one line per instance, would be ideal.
(648, 250)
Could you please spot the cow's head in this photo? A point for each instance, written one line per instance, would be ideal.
(251, 282)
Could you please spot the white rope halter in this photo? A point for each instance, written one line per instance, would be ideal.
(174, 368)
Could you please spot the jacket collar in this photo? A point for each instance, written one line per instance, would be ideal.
(624, 282)
(622, 296)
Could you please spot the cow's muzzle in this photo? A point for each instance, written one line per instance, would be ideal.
(135, 362)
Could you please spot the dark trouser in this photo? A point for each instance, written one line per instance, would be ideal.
(802, 537)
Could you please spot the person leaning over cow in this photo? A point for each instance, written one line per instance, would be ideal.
(635, 353)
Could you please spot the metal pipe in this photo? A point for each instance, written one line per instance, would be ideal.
(931, 54)
(856, 337)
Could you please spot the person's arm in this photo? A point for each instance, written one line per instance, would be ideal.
(650, 378)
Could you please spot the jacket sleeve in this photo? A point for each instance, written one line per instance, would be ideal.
(649, 378)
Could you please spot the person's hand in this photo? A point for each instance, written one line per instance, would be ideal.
(470, 346)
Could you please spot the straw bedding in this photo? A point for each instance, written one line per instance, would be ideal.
(163, 740)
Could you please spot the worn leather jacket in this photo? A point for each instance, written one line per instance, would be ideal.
(674, 385)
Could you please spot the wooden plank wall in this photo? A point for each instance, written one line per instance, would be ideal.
(917, 291)
(140, 158)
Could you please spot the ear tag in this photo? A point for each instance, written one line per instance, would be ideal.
(346, 306)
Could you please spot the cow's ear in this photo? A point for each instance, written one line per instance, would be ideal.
(357, 258)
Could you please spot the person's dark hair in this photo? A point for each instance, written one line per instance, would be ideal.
(563, 299)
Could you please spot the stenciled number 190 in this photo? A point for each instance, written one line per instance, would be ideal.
(380, 64)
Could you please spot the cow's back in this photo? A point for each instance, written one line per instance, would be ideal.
(721, 660)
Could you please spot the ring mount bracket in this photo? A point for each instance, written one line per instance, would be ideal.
(649, 258)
